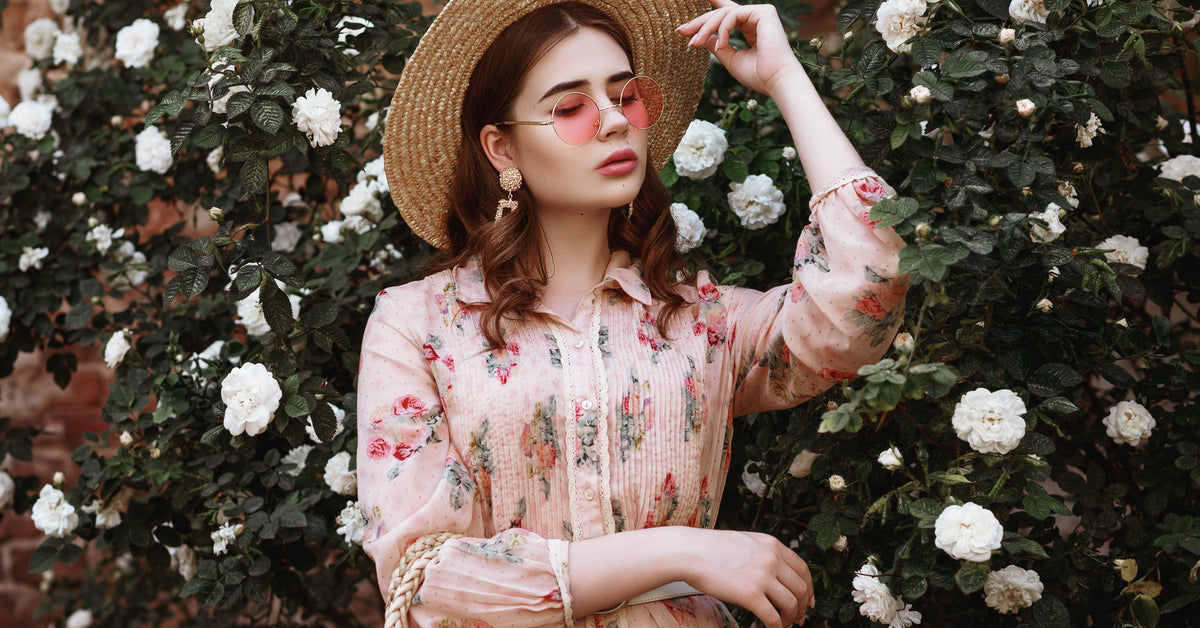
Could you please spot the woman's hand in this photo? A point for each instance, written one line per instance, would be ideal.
(769, 59)
(754, 571)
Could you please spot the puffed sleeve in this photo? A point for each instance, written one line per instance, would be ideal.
(841, 310)
(412, 482)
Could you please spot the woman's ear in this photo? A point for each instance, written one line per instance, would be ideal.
(498, 147)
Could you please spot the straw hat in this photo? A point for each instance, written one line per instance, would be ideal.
(422, 137)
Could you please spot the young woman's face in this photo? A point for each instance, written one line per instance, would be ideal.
(604, 173)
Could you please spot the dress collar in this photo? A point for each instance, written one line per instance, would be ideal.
(622, 273)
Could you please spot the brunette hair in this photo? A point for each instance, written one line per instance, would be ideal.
(504, 248)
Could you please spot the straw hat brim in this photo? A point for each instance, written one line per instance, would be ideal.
(422, 135)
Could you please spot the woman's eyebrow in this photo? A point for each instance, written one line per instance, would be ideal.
(571, 85)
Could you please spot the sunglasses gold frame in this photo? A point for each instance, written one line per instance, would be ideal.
(599, 111)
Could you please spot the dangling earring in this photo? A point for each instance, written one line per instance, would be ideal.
(629, 211)
(510, 180)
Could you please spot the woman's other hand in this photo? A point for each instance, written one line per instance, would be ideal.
(767, 61)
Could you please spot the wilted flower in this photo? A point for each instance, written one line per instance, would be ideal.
(351, 523)
(136, 43)
(753, 481)
(1125, 250)
(968, 532)
(1054, 226)
(251, 396)
(1129, 423)
(1085, 133)
(701, 150)
(801, 466)
(1012, 589)
(225, 535)
(1028, 11)
(52, 513)
(756, 201)
(319, 116)
(690, 228)
(338, 475)
(116, 348)
(1067, 189)
(991, 422)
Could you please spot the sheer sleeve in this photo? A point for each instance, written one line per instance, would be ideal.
(412, 483)
(841, 310)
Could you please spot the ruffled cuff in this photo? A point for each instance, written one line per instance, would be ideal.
(847, 176)
(558, 562)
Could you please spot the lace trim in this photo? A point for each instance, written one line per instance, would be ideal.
(571, 438)
(605, 487)
(558, 562)
(850, 174)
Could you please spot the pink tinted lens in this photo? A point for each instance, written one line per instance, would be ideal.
(642, 102)
(576, 118)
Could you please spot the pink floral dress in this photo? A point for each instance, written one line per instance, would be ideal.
(598, 424)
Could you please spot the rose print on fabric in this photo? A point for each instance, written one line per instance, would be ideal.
(632, 415)
(693, 411)
(869, 192)
(540, 442)
(665, 504)
(462, 487)
(648, 335)
(432, 347)
(586, 431)
(501, 364)
(602, 341)
(880, 306)
(618, 515)
(810, 249)
(505, 546)
(482, 464)
(555, 354)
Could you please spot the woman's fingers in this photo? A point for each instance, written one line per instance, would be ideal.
(787, 603)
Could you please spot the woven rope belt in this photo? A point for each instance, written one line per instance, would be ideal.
(409, 575)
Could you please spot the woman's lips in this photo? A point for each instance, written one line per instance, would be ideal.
(619, 163)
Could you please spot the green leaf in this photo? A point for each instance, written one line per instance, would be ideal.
(736, 169)
(1019, 544)
(276, 307)
(1059, 406)
(290, 518)
(296, 407)
(893, 211)
(964, 63)
(45, 557)
(254, 175)
(842, 418)
(926, 51)
(211, 135)
(971, 576)
(319, 314)
(1022, 173)
(1145, 611)
(238, 104)
(932, 261)
(180, 135)
(324, 422)
(267, 115)
(243, 18)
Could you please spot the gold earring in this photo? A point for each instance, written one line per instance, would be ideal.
(629, 211)
(510, 180)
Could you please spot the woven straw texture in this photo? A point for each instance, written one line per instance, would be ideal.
(409, 574)
(422, 138)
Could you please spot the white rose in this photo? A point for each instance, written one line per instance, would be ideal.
(877, 602)
(756, 201)
(102, 235)
(1007, 36)
(136, 43)
(372, 121)
(319, 116)
(351, 523)
(339, 416)
(898, 21)
(225, 535)
(357, 224)
(31, 257)
(1125, 250)
(1025, 107)
(31, 119)
(1053, 228)
(1084, 134)
(374, 175)
(221, 105)
(351, 26)
(338, 475)
(689, 226)
(991, 422)
(297, 456)
(837, 483)
(1028, 11)
(176, 16)
(81, 618)
(214, 159)
(250, 312)
(52, 514)
(59, 6)
(331, 232)
(381, 257)
(361, 201)
(136, 270)
(217, 26)
(5, 109)
(193, 366)
(28, 82)
(1177, 168)
(153, 151)
(801, 466)
(789, 153)
(39, 38)
(1129, 423)
(1012, 589)
(251, 396)
(753, 481)
(108, 516)
(67, 48)
(701, 150)
(891, 459)
(920, 94)
(904, 342)
(116, 348)
(5, 318)
(1045, 306)
(287, 236)
(968, 532)
(183, 560)
(8, 489)
(841, 543)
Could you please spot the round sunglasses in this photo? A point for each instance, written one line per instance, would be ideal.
(576, 117)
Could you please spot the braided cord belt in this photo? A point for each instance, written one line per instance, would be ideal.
(409, 575)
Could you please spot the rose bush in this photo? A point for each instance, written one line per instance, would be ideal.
(1052, 247)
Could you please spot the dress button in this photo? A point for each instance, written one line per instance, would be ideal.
(589, 494)
(579, 343)
(587, 404)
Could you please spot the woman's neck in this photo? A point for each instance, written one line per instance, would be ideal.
(576, 253)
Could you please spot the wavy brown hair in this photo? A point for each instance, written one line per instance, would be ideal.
(508, 251)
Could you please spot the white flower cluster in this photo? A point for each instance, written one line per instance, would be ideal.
(153, 151)
(216, 27)
(968, 532)
(1052, 216)
(900, 20)
(362, 209)
(31, 118)
(251, 396)
(39, 38)
(1011, 589)
(250, 311)
(116, 348)
(319, 116)
(380, 259)
(297, 456)
(756, 201)
(5, 318)
(224, 535)
(108, 515)
(31, 257)
(1129, 423)
(1028, 11)
(136, 43)
(52, 513)
(176, 16)
(690, 228)
(102, 235)
(991, 422)
(67, 49)
(1085, 133)
(877, 602)
(1125, 250)
(351, 523)
(338, 475)
(701, 150)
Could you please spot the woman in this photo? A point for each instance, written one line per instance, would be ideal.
(544, 424)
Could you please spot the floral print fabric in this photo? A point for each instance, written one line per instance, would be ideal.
(598, 424)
